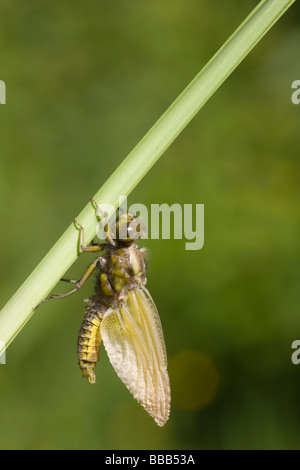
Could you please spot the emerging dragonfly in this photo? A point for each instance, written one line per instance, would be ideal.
(123, 315)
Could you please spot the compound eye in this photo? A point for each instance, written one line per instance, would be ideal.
(134, 230)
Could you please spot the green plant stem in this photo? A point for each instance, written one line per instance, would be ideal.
(42, 280)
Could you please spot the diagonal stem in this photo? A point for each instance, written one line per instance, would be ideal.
(58, 260)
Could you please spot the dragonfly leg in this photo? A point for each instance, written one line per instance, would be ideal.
(87, 248)
(79, 283)
(101, 213)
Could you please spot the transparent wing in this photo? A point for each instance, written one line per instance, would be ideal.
(133, 338)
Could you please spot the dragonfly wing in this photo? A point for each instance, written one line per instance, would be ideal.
(133, 338)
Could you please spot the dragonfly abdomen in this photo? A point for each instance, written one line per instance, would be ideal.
(88, 345)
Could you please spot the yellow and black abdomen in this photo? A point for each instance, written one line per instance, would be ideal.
(88, 345)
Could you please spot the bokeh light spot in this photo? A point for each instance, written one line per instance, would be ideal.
(194, 379)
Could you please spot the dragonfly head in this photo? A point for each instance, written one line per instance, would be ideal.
(129, 228)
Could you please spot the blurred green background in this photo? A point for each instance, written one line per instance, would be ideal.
(85, 81)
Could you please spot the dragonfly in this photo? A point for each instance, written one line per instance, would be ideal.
(122, 315)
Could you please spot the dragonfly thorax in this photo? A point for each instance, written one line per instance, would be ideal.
(124, 269)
